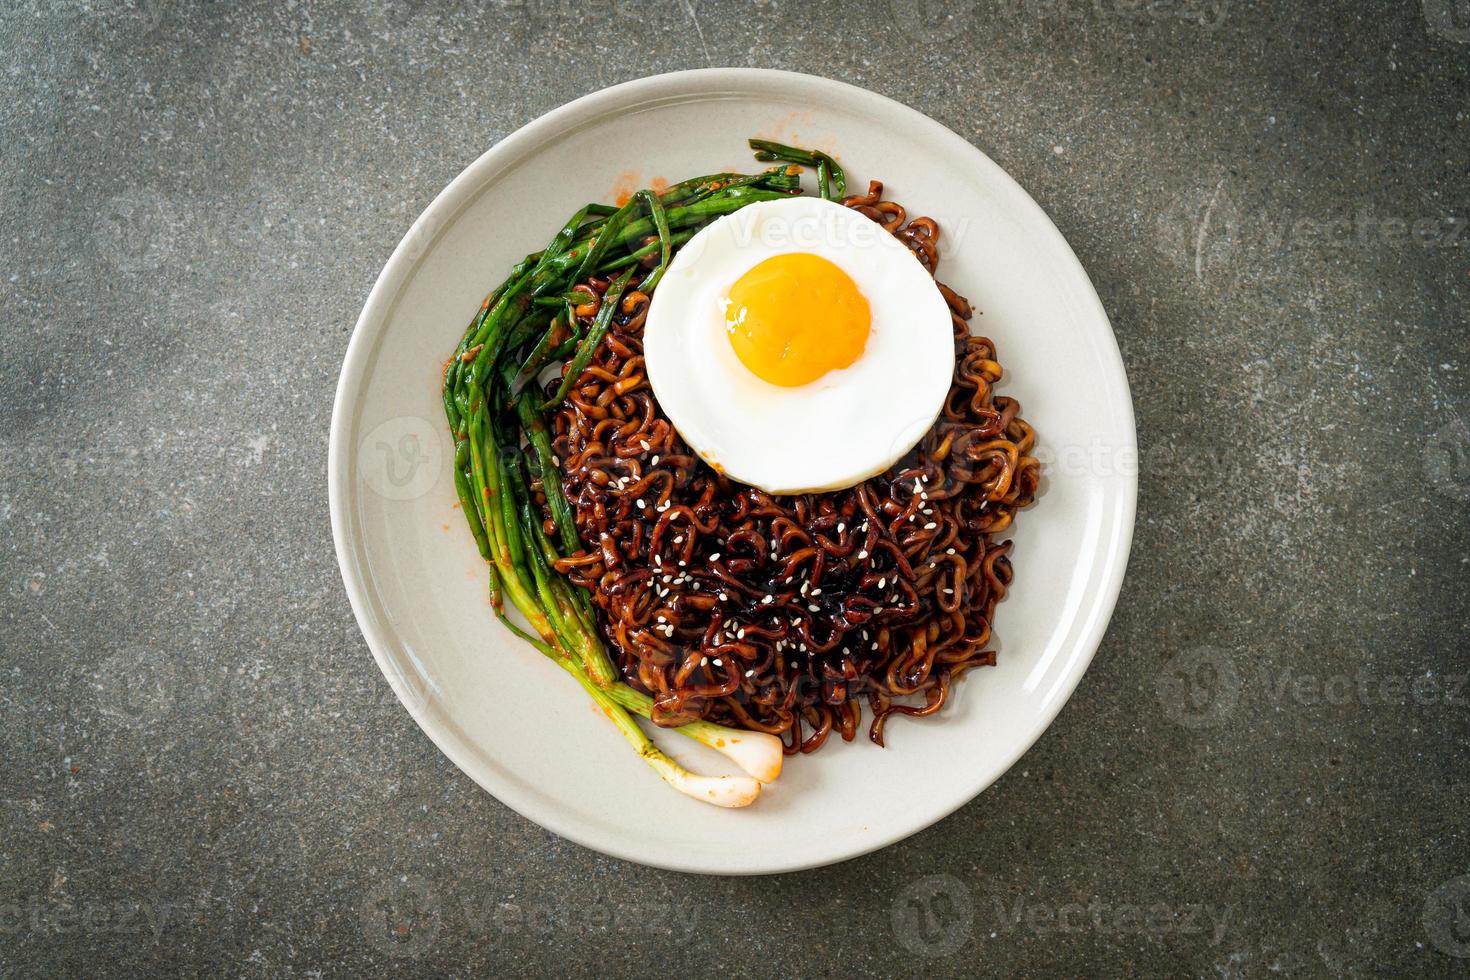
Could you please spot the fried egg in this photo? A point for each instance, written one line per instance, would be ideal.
(799, 347)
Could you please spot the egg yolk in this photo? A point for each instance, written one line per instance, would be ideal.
(794, 317)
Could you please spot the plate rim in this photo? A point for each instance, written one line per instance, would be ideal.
(447, 204)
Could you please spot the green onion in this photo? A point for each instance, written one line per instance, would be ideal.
(831, 178)
(500, 424)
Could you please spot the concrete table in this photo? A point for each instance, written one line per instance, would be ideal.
(1266, 767)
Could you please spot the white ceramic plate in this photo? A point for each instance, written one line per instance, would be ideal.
(512, 720)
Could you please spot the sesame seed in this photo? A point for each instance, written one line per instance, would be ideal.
(949, 591)
(644, 444)
(703, 661)
(816, 591)
(654, 461)
(715, 556)
(740, 633)
(750, 673)
(814, 607)
(930, 526)
(949, 551)
(882, 582)
(862, 555)
(641, 503)
(718, 662)
(681, 564)
(679, 539)
(918, 487)
(723, 597)
(768, 600)
(841, 527)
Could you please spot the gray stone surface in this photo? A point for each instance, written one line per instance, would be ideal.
(1266, 767)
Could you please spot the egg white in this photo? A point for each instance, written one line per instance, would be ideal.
(837, 431)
